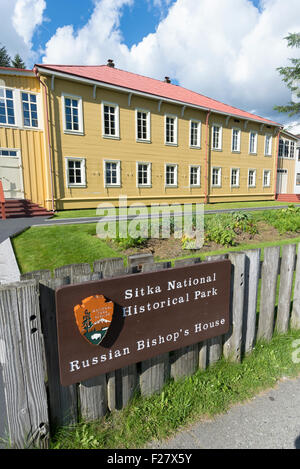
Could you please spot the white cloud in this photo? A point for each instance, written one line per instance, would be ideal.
(28, 14)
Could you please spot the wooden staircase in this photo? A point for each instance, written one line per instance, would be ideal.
(22, 208)
(288, 198)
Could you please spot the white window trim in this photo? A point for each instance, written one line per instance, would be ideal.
(39, 113)
(238, 177)
(117, 120)
(252, 169)
(118, 183)
(198, 175)
(219, 148)
(198, 122)
(255, 142)
(173, 116)
(80, 114)
(269, 171)
(83, 171)
(175, 175)
(270, 145)
(17, 150)
(148, 125)
(238, 142)
(219, 176)
(149, 174)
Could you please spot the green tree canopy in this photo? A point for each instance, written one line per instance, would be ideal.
(5, 60)
(291, 76)
(17, 62)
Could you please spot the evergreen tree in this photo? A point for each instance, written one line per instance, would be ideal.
(291, 76)
(17, 62)
(4, 57)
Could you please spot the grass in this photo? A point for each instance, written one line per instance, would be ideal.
(201, 396)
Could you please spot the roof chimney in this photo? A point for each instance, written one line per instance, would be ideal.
(110, 63)
(167, 80)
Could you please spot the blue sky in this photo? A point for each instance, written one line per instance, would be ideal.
(226, 49)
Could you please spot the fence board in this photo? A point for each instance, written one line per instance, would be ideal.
(109, 267)
(269, 278)
(71, 270)
(233, 339)
(250, 302)
(285, 288)
(23, 371)
(295, 317)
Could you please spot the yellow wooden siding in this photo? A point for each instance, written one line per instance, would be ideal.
(290, 165)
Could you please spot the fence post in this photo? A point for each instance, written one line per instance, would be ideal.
(285, 289)
(250, 303)
(22, 365)
(295, 317)
(269, 279)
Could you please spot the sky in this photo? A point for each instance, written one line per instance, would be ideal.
(228, 50)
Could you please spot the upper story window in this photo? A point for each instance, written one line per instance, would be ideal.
(217, 137)
(286, 153)
(171, 175)
(72, 114)
(171, 130)
(236, 140)
(195, 134)
(268, 145)
(292, 149)
(110, 120)
(280, 149)
(253, 142)
(112, 173)
(29, 107)
(7, 111)
(75, 168)
(142, 125)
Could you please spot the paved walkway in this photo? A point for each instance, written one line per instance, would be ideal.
(269, 421)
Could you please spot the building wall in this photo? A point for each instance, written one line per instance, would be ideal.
(95, 149)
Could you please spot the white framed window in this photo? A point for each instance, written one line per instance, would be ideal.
(143, 174)
(110, 120)
(171, 175)
(253, 142)
(235, 177)
(216, 137)
(112, 173)
(236, 140)
(29, 109)
(72, 114)
(170, 129)
(266, 178)
(251, 177)
(292, 149)
(195, 134)
(216, 177)
(280, 148)
(75, 172)
(195, 174)
(7, 107)
(268, 145)
(142, 118)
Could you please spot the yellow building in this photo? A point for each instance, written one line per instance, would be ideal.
(83, 135)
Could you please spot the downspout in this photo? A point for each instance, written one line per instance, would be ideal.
(276, 162)
(206, 159)
(48, 135)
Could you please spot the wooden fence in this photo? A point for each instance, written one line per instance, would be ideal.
(35, 401)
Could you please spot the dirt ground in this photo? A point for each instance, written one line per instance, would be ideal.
(172, 248)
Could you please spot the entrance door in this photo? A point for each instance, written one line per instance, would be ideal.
(282, 178)
(11, 174)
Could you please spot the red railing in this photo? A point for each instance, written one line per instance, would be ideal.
(2, 202)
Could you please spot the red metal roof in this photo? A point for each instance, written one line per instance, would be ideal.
(134, 82)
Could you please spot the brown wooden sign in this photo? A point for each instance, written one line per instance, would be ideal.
(109, 324)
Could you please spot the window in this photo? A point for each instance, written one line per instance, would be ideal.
(195, 176)
(9, 153)
(252, 178)
(75, 172)
(280, 149)
(267, 178)
(253, 142)
(142, 125)
(144, 174)
(235, 177)
(110, 120)
(268, 145)
(216, 137)
(286, 149)
(195, 134)
(236, 140)
(171, 175)
(298, 179)
(112, 173)
(216, 177)
(29, 108)
(292, 149)
(72, 109)
(7, 112)
(171, 130)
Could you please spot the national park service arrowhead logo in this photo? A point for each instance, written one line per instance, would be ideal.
(93, 318)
